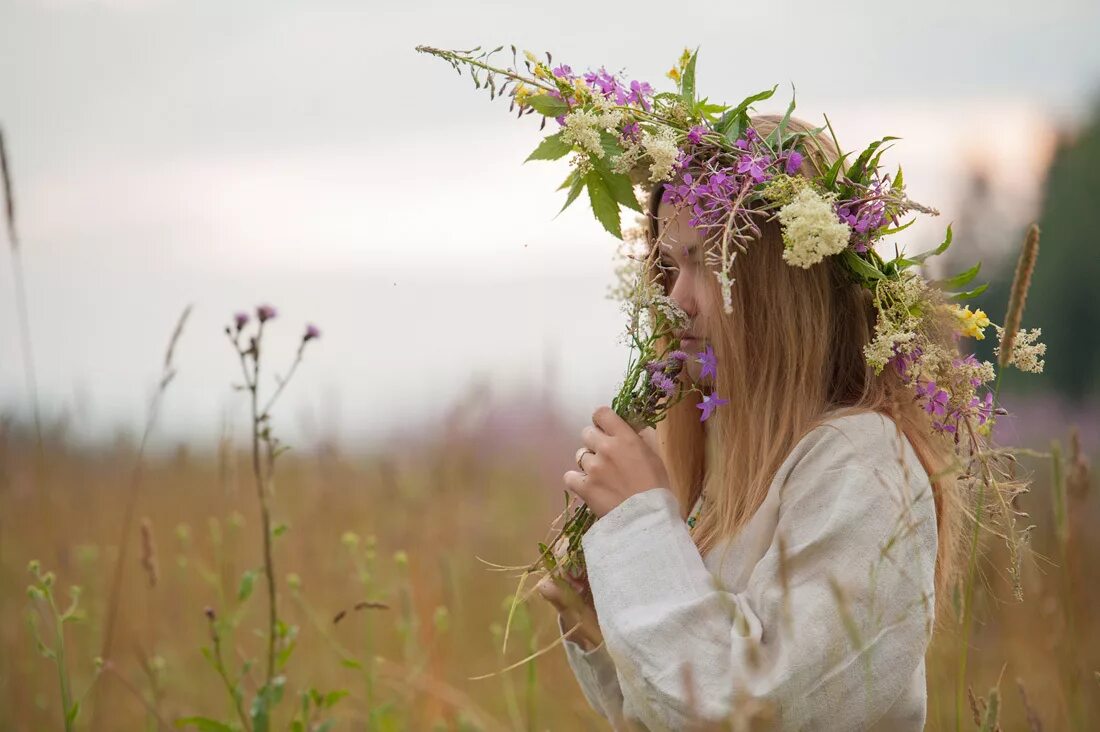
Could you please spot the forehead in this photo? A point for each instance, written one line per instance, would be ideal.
(674, 232)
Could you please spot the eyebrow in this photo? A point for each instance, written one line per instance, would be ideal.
(686, 250)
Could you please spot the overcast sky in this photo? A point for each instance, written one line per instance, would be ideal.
(227, 153)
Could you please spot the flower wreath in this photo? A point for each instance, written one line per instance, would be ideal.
(622, 135)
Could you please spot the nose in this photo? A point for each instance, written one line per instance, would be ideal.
(684, 293)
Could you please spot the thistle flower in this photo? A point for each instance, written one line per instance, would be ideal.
(240, 319)
(811, 230)
(265, 313)
(312, 331)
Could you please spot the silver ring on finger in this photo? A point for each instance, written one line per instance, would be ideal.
(581, 452)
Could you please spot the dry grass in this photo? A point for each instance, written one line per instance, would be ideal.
(443, 503)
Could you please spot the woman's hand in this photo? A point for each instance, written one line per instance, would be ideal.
(572, 598)
(625, 462)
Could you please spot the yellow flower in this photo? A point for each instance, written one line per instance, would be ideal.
(580, 89)
(531, 57)
(541, 71)
(674, 74)
(972, 324)
(523, 92)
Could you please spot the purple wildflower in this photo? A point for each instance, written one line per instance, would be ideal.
(709, 404)
(631, 131)
(240, 320)
(709, 361)
(265, 312)
(606, 84)
(741, 143)
(935, 399)
(639, 90)
(663, 382)
(695, 134)
(754, 166)
(564, 72)
(312, 331)
(794, 161)
(678, 356)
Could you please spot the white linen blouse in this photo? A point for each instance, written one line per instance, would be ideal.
(817, 613)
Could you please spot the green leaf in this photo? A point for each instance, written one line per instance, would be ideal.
(577, 187)
(709, 112)
(899, 181)
(552, 147)
(547, 105)
(351, 663)
(919, 258)
(775, 139)
(969, 294)
(855, 172)
(204, 724)
(834, 171)
(738, 116)
(70, 718)
(962, 278)
(248, 581)
(604, 206)
(266, 698)
(619, 184)
(896, 229)
(333, 697)
(860, 266)
(687, 81)
(610, 145)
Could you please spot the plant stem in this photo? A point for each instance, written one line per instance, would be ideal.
(265, 513)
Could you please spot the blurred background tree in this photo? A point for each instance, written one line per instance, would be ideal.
(1065, 294)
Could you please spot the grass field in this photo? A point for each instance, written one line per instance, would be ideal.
(405, 529)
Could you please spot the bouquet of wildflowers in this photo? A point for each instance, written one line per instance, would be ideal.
(621, 136)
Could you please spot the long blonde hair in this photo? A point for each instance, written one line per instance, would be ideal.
(794, 341)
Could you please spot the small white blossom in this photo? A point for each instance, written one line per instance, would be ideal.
(662, 151)
(581, 130)
(880, 350)
(811, 229)
(1026, 351)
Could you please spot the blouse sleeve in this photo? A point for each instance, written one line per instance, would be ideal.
(833, 620)
(595, 672)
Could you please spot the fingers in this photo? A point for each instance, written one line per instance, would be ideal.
(575, 483)
(561, 592)
(594, 438)
(605, 418)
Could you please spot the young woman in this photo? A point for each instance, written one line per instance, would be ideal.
(801, 589)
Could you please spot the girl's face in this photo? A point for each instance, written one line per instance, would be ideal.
(681, 260)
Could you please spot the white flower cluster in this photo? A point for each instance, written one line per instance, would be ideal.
(898, 304)
(581, 130)
(881, 349)
(1026, 351)
(583, 126)
(662, 151)
(811, 229)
